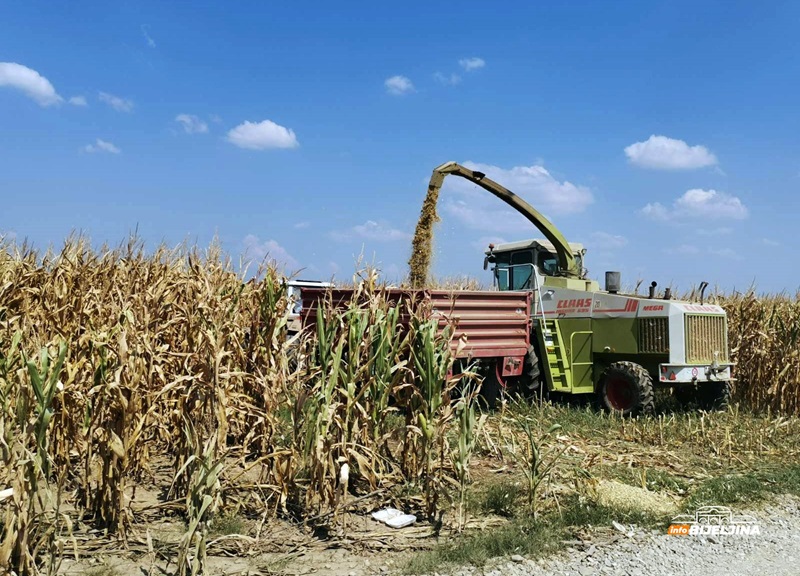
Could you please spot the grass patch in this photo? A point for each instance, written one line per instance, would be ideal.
(501, 499)
(524, 536)
(228, 523)
(744, 488)
(653, 479)
(590, 515)
(521, 536)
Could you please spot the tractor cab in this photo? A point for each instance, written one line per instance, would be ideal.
(515, 263)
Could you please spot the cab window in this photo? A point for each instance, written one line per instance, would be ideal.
(547, 263)
(514, 271)
(502, 273)
(522, 270)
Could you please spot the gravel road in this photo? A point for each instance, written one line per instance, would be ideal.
(775, 552)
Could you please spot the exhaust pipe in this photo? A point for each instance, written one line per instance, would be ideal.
(652, 292)
(703, 286)
(613, 281)
(668, 294)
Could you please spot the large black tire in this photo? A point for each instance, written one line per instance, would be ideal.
(627, 388)
(531, 381)
(714, 396)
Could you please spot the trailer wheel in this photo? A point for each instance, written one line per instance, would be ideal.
(491, 387)
(627, 388)
(714, 396)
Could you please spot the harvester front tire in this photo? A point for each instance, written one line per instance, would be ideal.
(714, 396)
(627, 388)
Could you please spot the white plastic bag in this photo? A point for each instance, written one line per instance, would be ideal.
(394, 518)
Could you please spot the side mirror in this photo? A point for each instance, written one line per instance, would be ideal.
(490, 254)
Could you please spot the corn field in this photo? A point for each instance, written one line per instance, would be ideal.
(115, 362)
(764, 336)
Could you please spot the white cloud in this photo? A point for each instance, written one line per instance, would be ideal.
(117, 103)
(262, 135)
(470, 64)
(78, 101)
(101, 146)
(147, 37)
(769, 242)
(371, 230)
(446, 80)
(398, 85)
(191, 124)
(30, 82)
(606, 241)
(480, 210)
(711, 204)
(698, 203)
(258, 251)
(662, 153)
(302, 225)
(656, 211)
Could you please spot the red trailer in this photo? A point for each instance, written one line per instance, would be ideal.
(494, 326)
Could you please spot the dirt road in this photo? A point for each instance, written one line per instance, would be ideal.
(774, 552)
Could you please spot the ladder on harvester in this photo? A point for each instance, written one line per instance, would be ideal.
(557, 364)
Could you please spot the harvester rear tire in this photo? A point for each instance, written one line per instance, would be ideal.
(627, 388)
(714, 396)
(531, 382)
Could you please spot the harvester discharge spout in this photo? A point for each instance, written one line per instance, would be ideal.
(568, 265)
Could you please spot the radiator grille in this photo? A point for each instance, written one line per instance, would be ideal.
(654, 335)
(706, 335)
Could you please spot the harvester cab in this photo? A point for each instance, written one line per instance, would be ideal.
(515, 265)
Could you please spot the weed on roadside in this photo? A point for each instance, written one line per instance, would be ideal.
(525, 536)
(746, 488)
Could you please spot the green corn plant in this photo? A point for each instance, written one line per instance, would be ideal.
(432, 409)
(536, 456)
(32, 515)
(45, 384)
(389, 345)
(467, 437)
(315, 421)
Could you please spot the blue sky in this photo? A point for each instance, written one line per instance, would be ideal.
(664, 136)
